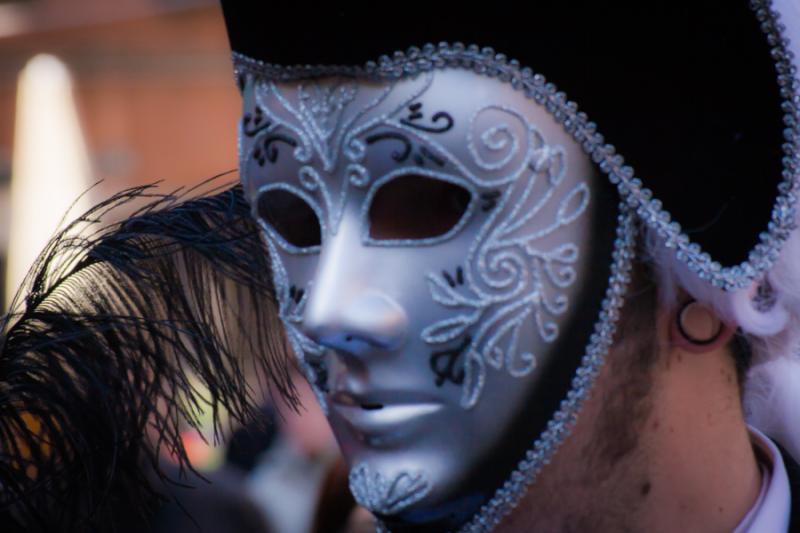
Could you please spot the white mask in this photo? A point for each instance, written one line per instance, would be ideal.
(430, 246)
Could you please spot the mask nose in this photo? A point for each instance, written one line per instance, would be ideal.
(347, 309)
(355, 323)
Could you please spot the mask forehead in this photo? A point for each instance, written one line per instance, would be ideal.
(471, 320)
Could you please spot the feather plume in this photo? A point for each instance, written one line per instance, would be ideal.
(105, 345)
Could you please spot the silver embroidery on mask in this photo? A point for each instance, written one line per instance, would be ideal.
(511, 283)
(324, 134)
(318, 124)
(383, 496)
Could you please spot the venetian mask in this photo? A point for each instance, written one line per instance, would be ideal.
(430, 247)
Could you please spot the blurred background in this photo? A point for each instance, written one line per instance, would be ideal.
(150, 87)
(129, 92)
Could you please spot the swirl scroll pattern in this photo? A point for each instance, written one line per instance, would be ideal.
(515, 277)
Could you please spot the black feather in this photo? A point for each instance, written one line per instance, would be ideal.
(104, 348)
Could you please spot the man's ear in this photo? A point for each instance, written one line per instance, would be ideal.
(696, 328)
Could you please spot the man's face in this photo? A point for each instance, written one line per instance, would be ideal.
(427, 238)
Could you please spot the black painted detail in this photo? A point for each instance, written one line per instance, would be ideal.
(489, 200)
(271, 150)
(254, 123)
(408, 147)
(397, 156)
(453, 281)
(416, 114)
(258, 155)
(445, 366)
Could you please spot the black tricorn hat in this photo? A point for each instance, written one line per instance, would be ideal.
(689, 107)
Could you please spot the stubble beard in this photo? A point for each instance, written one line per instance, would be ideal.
(599, 478)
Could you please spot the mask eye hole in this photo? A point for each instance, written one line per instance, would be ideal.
(416, 207)
(290, 216)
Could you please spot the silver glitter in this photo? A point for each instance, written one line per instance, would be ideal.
(379, 495)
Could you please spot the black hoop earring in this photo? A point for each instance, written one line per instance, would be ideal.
(689, 338)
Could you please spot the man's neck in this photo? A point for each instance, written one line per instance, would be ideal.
(701, 451)
(676, 458)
